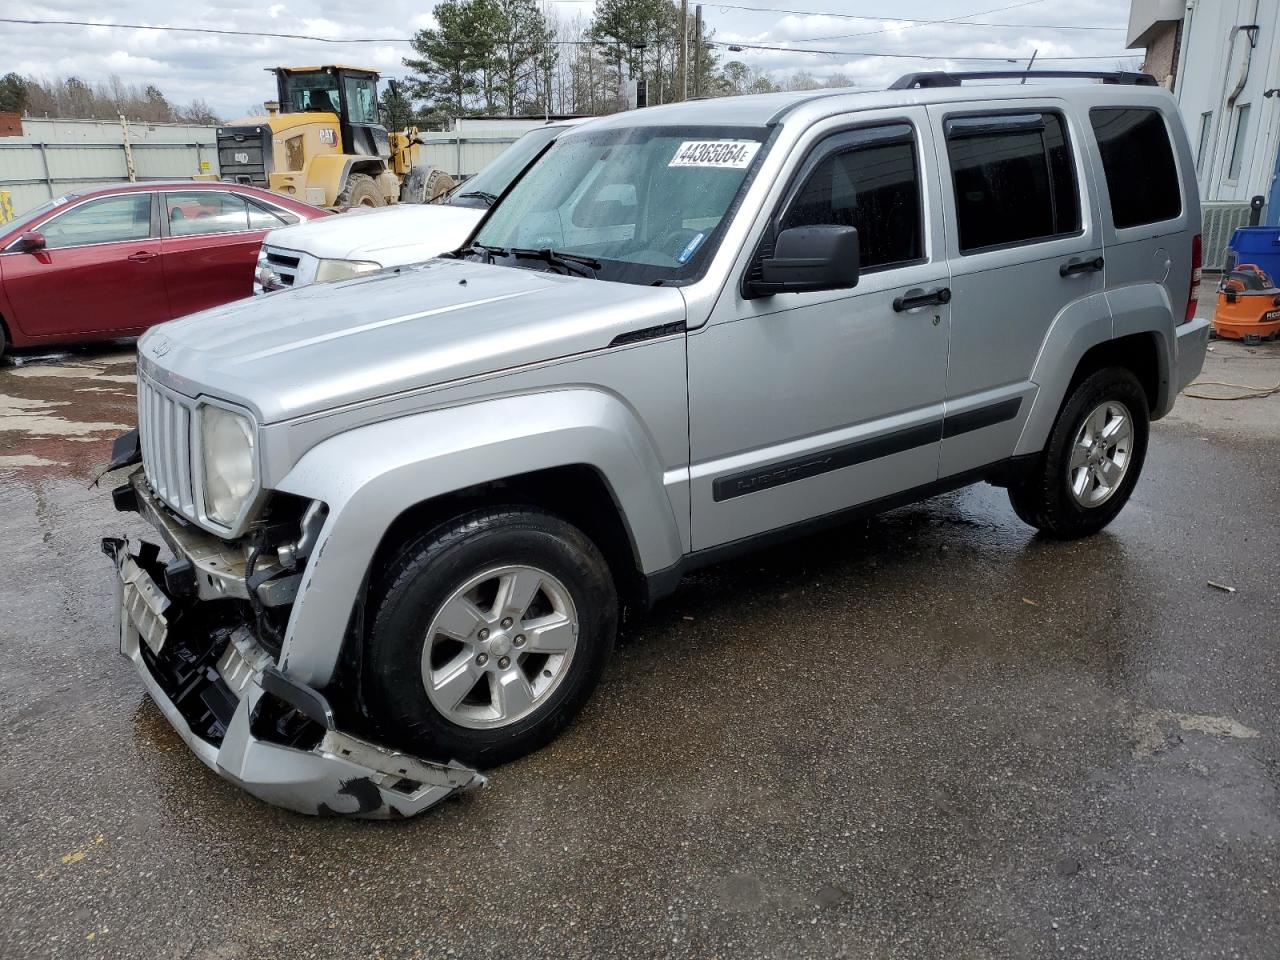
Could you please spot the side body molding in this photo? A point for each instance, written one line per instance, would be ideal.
(371, 475)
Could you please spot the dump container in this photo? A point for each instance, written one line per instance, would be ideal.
(1260, 245)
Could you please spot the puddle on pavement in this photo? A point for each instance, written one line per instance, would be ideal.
(60, 411)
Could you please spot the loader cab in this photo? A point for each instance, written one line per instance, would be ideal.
(348, 93)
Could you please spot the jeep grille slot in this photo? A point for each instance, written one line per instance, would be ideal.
(164, 426)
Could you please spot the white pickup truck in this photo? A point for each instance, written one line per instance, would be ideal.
(370, 238)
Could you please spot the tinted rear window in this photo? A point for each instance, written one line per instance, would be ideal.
(1014, 179)
(1142, 179)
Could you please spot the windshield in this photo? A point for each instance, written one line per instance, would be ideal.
(487, 185)
(643, 204)
(23, 219)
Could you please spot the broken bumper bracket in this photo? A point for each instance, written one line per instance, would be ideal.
(328, 772)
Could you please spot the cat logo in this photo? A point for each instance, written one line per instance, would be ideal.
(328, 136)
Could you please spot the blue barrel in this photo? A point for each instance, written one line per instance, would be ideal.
(1260, 245)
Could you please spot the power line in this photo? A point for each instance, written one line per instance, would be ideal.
(715, 43)
(912, 56)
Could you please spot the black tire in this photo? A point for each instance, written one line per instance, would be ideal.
(360, 191)
(425, 184)
(1043, 498)
(4, 339)
(425, 573)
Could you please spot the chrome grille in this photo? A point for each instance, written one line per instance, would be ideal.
(164, 426)
(285, 266)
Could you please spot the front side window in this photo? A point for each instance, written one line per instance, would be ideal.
(204, 211)
(1014, 179)
(649, 204)
(362, 100)
(1239, 146)
(109, 220)
(870, 182)
(1137, 158)
(315, 92)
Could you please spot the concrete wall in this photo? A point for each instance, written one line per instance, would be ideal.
(53, 157)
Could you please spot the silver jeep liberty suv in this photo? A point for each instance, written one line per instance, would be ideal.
(402, 513)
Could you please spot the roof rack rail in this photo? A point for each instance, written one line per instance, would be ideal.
(940, 78)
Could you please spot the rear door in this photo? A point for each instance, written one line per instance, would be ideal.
(99, 273)
(1025, 253)
(210, 246)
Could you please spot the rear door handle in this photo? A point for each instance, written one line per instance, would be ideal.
(1073, 267)
(142, 256)
(914, 301)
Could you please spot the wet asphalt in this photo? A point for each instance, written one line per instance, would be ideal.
(930, 734)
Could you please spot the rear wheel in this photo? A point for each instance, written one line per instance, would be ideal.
(4, 339)
(1092, 461)
(360, 191)
(489, 634)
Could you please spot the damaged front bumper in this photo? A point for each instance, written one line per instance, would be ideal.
(248, 722)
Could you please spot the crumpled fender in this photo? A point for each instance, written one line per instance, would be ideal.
(372, 474)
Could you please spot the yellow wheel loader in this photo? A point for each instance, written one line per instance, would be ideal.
(323, 143)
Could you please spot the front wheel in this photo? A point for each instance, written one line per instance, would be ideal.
(361, 190)
(1092, 460)
(489, 634)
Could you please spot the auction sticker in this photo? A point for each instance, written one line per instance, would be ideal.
(726, 154)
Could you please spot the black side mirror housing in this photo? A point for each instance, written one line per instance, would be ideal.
(809, 259)
(31, 242)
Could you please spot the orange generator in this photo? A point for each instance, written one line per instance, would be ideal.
(1248, 306)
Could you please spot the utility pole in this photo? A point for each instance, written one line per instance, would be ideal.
(682, 70)
(697, 50)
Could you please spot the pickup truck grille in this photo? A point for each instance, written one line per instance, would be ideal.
(284, 266)
(164, 426)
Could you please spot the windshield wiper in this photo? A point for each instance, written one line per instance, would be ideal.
(489, 198)
(568, 262)
(487, 252)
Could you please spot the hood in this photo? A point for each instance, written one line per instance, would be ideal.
(322, 346)
(395, 235)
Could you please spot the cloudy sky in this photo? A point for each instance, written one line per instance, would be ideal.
(226, 71)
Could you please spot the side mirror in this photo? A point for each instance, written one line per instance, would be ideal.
(31, 242)
(808, 259)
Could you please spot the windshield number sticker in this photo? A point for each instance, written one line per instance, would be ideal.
(725, 154)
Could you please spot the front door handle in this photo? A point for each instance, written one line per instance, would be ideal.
(914, 300)
(1074, 267)
(142, 256)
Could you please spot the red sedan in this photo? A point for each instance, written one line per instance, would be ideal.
(113, 261)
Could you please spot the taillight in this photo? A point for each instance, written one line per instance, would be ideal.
(1193, 295)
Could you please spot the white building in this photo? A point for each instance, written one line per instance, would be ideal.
(1221, 58)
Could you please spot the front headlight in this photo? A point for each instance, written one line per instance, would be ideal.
(344, 269)
(227, 445)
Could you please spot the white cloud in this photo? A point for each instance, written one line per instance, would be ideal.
(227, 71)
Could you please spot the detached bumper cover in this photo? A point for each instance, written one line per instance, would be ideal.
(248, 722)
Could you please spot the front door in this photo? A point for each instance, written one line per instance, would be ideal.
(99, 273)
(804, 404)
